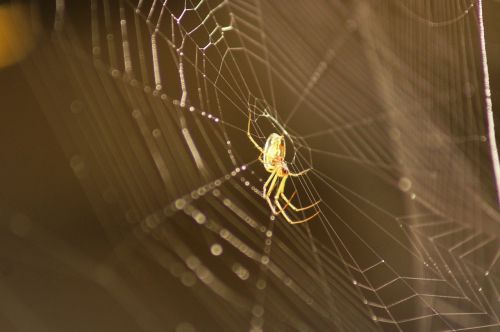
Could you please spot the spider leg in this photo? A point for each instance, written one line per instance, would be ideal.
(287, 218)
(299, 173)
(268, 189)
(250, 135)
(266, 184)
(288, 202)
(299, 221)
(280, 193)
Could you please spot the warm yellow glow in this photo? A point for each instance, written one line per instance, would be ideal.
(16, 35)
(272, 156)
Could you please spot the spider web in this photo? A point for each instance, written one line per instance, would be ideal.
(386, 101)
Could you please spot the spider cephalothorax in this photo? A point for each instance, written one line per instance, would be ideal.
(272, 156)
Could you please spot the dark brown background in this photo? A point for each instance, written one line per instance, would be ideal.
(40, 197)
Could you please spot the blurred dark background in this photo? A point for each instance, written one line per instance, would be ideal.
(41, 200)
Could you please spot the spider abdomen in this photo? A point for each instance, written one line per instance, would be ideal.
(274, 152)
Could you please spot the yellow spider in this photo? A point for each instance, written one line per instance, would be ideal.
(272, 156)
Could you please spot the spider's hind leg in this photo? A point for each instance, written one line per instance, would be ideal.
(299, 173)
(287, 218)
(268, 189)
(302, 220)
(289, 202)
(280, 194)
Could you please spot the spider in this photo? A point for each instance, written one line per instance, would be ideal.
(272, 156)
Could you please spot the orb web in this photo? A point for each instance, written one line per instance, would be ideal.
(385, 102)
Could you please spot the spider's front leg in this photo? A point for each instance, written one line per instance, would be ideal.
(260, 158)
